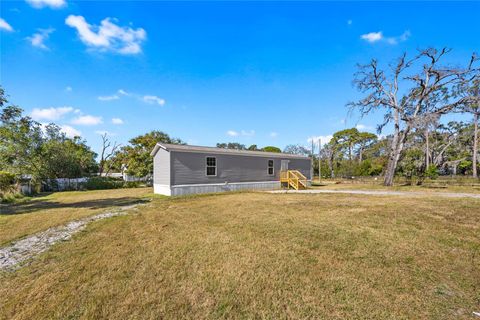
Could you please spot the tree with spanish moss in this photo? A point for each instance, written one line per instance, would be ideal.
(410, 90)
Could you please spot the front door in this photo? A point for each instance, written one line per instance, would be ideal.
(284, 165)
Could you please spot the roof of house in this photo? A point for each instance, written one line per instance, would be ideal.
(213, 150)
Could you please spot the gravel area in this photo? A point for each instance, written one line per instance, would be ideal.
(14, 255)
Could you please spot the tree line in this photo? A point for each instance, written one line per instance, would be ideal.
(413, 94)
(447, 149)
(28, 149)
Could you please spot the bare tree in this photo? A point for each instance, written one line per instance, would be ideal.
(425, 124)
(474, 109)
(476, 115)
(108, 150)
(328, 152)
(410, 90)
(448, 136)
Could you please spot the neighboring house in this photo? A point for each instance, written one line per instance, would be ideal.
(183, 169)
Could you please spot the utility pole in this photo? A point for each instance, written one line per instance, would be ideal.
(319, 160)
(312, 154)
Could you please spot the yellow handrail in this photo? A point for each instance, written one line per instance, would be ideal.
(293, 178)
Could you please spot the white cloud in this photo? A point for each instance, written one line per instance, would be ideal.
(38, 39)
(322, 139)
(50, 113)
(403, 37)
(373, 37)
(5, 26)
(70, 132)
(87, 120)
(273, 134)
(54, 4)
(245, 133)
(108, 36)
(363, 127)
(150, 99)
(108, 98)
(153, 99)
(117, 121)
(68, 89)
(248, 133)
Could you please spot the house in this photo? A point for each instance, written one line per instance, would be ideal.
(184, 169)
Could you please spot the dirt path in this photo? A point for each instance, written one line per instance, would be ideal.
(12, 256)
(387, 193)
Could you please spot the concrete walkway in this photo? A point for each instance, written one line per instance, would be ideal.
(385, 193)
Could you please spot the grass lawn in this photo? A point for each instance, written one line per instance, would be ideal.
(48, 210)
(258, 255)
(377, 185)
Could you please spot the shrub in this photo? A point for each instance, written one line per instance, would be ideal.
(132, 184)
(432, 172)
(11, 197)
(375, 170)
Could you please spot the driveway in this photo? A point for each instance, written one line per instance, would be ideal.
(386, 193)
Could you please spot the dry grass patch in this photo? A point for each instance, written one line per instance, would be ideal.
(45, 211)
(253, 255)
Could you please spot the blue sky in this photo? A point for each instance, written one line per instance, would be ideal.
(269, 73)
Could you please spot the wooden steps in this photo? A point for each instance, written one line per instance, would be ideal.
(293, 179)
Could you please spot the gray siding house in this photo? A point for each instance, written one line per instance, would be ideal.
(183, 169)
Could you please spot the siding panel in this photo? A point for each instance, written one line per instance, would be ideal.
(161, 167)
(189, 168)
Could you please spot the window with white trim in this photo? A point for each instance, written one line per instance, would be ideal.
(211, 166)
(270, 168)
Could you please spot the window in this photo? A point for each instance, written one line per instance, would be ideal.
(270, 168)
(211, 166)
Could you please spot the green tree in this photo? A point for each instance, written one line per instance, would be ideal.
(63, 157)
(136, 156)
(345, 141)
(271, 149)
(20, 140)
(364, 140)
(297, 149)
(232, 145)
(7, 181)
(26, 149)
(411, 164)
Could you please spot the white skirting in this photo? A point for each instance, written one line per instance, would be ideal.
(162, 189)
(214, 187)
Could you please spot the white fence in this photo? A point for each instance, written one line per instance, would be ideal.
(63, 184)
